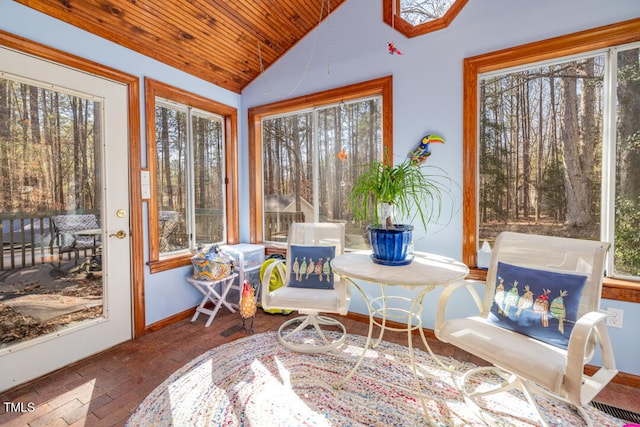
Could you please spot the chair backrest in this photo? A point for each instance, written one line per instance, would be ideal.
(65, 226)
(558, 254)
(315, 234)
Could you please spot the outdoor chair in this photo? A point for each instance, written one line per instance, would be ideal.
(310, 287)
(73, 233)
(539, 321)
(169, 221)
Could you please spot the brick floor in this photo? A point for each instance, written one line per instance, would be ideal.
(103, 390)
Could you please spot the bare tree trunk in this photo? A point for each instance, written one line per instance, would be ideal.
(267, 154)
(577, 182)
(539, 153)
(5, 175)
(47, 161)
(514, 151)
(25, 138)
(59, 189)
(86, 199)
(165, 167)
(200, 158)
(297, 166)
(526, 149)
(555, 155)
(179, 193)
(34, 117)
(97, 153)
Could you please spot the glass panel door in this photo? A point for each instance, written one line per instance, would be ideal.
(62, 235)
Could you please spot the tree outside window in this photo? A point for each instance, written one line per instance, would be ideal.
(312, 158)
(193, 163)
(306, 152)
(190, 178)
(418, 12)
(559, 152)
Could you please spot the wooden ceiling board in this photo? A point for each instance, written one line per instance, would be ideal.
(132, 32)
(216, 40)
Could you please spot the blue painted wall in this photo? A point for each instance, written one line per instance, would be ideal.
(347, 48)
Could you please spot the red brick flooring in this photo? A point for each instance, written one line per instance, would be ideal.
(103, 390)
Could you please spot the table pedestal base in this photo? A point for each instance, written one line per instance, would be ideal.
(389, 311)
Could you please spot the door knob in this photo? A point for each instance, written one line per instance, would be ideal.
(120, 234)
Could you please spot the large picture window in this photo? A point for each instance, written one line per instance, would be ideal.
(553, 144)
(310, 154)
(190, 169)
(544, 144)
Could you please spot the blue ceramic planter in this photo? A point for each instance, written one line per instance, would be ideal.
(390, 246)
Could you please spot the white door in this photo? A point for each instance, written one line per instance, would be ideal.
(111, 259)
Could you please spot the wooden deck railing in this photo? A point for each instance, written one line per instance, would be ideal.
(276, 224)
(26, 240)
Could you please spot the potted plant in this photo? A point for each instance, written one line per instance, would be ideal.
(406, 188)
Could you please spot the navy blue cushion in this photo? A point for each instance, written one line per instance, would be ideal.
(311, 266)
(539, 303)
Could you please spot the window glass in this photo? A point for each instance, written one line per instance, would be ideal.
(311, 159)
(190, 177)
(545, 148)
(627, 190)
(418, 12)
(209, 173)
(171, 147)
(50, 204)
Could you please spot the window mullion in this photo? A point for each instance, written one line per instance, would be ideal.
(190, 205)
(314, 158)
(607, 225)
(223, 144)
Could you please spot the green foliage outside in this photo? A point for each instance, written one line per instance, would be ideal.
(627, 248)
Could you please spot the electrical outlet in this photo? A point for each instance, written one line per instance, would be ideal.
(615, 317)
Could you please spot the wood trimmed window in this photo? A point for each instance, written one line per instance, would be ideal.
(378, 87)
(394, 10)
(578, 43)
(204, 112)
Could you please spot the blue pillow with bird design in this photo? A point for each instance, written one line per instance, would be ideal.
(311, 266)
(541, 304)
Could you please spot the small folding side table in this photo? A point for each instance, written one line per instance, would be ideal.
(210, 293)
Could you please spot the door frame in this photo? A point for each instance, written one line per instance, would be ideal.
(135, 155)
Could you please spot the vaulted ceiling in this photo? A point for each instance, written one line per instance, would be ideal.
(220, 41)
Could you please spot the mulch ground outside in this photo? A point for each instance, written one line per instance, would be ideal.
(43, 299)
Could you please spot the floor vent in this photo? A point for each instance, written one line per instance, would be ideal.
(617, 412)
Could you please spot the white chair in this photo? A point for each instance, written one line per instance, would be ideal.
(525, 362)
(305, 269)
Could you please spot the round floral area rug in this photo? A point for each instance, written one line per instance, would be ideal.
(255, 381)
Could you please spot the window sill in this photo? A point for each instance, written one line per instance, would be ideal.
(613, 289)
(165, 264)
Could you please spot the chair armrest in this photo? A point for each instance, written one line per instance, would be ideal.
(448, 291)
(579, 342)
(266, 282)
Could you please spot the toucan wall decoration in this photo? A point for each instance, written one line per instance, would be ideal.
(420, 154)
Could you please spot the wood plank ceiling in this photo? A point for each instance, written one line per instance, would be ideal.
(216, 40)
